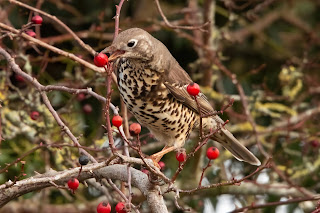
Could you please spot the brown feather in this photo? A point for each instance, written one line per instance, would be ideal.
(177, 80)
(238, 150)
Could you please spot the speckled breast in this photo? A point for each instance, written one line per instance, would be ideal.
(150, 101)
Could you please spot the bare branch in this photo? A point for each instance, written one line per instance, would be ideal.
(54, 18)
(119, 172)
(52, 48)
(201, 27)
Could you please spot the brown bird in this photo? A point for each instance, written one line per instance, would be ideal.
(153, 86)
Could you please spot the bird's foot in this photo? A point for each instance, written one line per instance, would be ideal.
(155, 159)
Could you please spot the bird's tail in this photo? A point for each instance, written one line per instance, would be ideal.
(238, 150)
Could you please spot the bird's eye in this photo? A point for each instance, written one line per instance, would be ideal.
(132, 43)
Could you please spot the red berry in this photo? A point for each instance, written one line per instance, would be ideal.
(135, 129)
(120, 208)
(213, 153)
(117, 121)
(146, 171)
(73, 183)
(19, 78)
(87, 108)
(34, 115)
(193, 89)
(101, 60)
(161, 164)
(315, 143)
(103, 208)
(181, 156)
(37, 19)
(31, 33)
(81, 96)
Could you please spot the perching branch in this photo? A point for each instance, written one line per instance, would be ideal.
(119, 172)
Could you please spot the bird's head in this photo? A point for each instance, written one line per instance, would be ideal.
(137, 44)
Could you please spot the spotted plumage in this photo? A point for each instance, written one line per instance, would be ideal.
(153, 86)
(147, 97)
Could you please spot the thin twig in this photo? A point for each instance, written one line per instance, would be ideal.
(106, 113)
(21, 157)
(52, 48)
(200, 27)
(195, 149)
(244, 102)
(124, 134)
(202, 174)
(232, 182)
(54, 18)
(117, 18)
(46, 101)
(277, 203)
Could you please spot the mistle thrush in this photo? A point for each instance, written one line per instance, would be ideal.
(153, 86)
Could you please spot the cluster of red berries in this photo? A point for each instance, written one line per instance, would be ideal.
(35, 20)
(87, 108)
(134, 128)
(106, 208)
(212, 153)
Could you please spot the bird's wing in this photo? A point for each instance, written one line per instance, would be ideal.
(177, 80)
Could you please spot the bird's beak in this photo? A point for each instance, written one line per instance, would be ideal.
(114, 53)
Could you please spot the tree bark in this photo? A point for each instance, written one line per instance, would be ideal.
(118, 172)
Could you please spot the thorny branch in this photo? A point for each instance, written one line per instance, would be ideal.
(46, 101)
(125, 123)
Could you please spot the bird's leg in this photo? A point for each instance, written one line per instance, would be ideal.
(157, 156)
